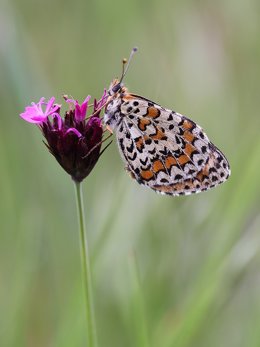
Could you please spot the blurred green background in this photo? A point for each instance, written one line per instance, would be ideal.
(167, 271)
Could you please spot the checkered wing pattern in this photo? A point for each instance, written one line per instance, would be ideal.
(165, 150)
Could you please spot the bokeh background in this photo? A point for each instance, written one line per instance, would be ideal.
(167, 271)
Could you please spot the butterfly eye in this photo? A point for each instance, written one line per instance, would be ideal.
(116, 88)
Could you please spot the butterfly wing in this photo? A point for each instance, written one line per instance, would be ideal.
(167, 151)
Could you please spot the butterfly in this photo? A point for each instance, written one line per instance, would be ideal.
(162, 149)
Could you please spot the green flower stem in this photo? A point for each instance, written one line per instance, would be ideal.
(86, 270)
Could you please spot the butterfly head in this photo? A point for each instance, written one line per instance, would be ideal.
(116, 87)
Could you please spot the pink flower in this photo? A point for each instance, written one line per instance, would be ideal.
(35, 113)
(80, 110)
(73, 140)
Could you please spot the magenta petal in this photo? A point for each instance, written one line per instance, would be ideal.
(58, 120)
(35, 113)
(32, 119)
(73, 130)
(98, 104)
(78, 112)
(81, 110)
(32, 114)
(84, 105)
(55, 108)
(49, 105)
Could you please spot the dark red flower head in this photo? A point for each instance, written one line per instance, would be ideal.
(74, 141)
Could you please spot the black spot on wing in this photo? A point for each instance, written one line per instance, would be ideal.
(121, 143)
(164, 151)
(133, 157)
(130, 148)
(152, 151)
(144, 162)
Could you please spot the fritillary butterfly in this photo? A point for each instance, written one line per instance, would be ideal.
(162, 149)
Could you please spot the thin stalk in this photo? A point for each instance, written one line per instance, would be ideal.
(86, 270)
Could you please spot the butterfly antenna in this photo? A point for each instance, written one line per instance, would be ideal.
(126, 64)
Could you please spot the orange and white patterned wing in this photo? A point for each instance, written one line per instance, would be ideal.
(165, 150)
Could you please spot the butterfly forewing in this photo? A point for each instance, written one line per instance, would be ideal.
(165, 150)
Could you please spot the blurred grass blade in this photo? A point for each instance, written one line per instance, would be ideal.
(138, 305)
